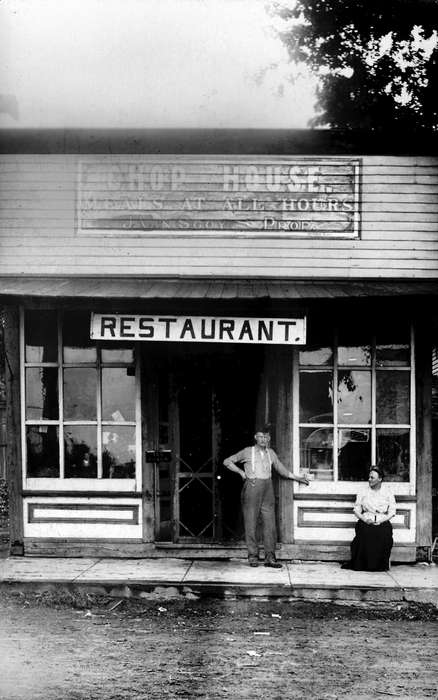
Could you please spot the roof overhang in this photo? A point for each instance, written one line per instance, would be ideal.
(223, 289)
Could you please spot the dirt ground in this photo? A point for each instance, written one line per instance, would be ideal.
(65, 648)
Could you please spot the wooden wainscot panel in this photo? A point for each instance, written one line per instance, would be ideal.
(82, 518)
(335, 522)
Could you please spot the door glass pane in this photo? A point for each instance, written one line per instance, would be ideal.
(42, 393)
(393, 397)
(354, 396)
(316, 453)
(393, 453)
(354, 454)
(118, 452)
(196, 521)
(316, 393)
(80, 386)
(118, 395)
(41, 336)
(77, 345)
(42, 451)
(80, 451)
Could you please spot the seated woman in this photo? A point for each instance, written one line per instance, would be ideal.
(371, 547)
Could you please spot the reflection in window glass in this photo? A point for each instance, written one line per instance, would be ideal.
(319, 345)
(80, 451)
(80, 391)
(354, 454)
(41, 336)
(42, 451)
(78, 347)
(354, 355)
(118, 394)
(117, 352)
(393, 453)
(42, 393)
(118, 452)
(393, 397)
(316, 393)
(316, 452)
(354, 396)
(392, 344)
(316, 356)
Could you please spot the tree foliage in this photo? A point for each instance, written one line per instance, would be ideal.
(376, 60)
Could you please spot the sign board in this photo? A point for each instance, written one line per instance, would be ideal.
(211, 195)
(199, 329)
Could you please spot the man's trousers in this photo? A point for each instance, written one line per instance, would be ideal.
(258, 499)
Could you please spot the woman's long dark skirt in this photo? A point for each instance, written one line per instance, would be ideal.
(371, 547)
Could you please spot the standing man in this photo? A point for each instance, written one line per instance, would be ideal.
(258, 494)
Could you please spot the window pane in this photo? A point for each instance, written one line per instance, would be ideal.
(315, 355)
(118, 453)
(354, 454)
(354, 396)
(316, 453)
(316, 393)
(393, 453)
(42, 393)
(118, 394)
(117, 352)
(393, 397)
(80, 450)
(41, 336)
(77, 345)
(42, 451)
(392, 344)
(80, 393)
(354, 344)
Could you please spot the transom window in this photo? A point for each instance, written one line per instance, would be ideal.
(355, 401)
(81, 404)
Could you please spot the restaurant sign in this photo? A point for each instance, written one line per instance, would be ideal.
(211, 195)
(199, 329)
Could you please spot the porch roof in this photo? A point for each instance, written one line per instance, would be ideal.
(183, 288)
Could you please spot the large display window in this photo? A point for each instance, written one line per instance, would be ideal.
(80, 406)
(355, 406)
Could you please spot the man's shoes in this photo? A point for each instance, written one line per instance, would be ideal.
(253, 562)
(273, 564)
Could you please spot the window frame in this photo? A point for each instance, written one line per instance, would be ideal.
(343, 486)
(60, 483)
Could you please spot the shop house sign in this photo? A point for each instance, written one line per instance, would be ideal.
(199, 329)
(210, 195)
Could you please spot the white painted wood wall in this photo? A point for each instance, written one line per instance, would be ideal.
(399, 231)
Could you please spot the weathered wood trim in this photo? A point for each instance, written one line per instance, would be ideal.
(13, 427)
(26, 493)
(314, 551)
(350, 497)
(423, 366)
(281, 373)
(146, 375)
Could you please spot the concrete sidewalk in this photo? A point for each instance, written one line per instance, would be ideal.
(179, 578)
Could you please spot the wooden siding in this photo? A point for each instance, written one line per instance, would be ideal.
(398, 239)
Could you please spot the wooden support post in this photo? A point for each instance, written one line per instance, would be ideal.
(149, 397)
(423, 369)
(281, 379)
(13, 428)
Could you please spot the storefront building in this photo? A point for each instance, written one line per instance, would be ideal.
(165, 293)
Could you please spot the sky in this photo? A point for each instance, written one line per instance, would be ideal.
(146, 63)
